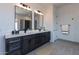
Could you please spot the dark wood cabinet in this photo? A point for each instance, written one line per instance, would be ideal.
(13, 46)
(27, 44)
(24, 44)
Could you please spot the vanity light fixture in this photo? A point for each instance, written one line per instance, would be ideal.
(23, 6)
(38, 12)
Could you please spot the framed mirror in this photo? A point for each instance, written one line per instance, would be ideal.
(23, 19)
(38, 21)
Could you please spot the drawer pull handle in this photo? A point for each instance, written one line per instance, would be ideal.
(14, 41)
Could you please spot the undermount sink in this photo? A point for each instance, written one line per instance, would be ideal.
(32, 31)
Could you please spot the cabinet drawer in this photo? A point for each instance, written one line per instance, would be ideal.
(12, 40)
(14, 46)
(17, 52)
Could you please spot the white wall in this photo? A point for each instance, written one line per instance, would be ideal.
(6, 23)
(65, 14)
(6, 18)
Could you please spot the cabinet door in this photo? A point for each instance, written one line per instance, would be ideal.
(47, 36)
(43, 37)
(38, 40)
(25, 45)
(32, 43)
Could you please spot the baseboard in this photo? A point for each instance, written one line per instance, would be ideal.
(68, 41)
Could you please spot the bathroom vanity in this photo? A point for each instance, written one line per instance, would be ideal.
(23, 44)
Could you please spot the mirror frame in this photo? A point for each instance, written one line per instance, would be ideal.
(32, 20)
(15, 18)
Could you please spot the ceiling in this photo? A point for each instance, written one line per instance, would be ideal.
(48, 4)
(59, 4)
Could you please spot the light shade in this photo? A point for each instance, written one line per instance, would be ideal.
(38, 12)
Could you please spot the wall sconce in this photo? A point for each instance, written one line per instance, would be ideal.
(22, 5)
(38, 12)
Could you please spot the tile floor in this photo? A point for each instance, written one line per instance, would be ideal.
(60, 47)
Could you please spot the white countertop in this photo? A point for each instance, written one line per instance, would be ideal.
(23, 34)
